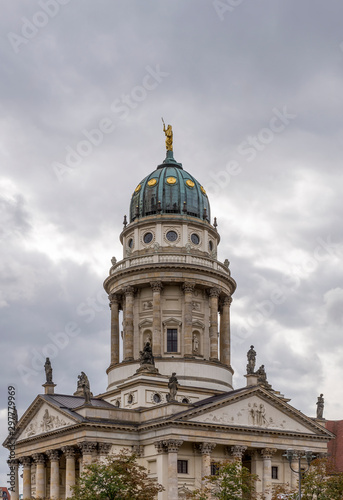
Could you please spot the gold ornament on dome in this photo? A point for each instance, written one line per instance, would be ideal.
(202, 189)
(171, 180)
(152, 182)
(138, 188)
(190, 183)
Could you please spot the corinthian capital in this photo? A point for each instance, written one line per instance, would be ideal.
(39, 458)
(214, 292)
(188, 287)
(69, 451)
(87, 447)
(156, 286)
(172, 445)
(267, 453)
(129, 290)
(54, 455)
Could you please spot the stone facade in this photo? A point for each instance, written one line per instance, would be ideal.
(170, 291)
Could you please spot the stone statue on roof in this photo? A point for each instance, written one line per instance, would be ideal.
(146, 357)
(173, 387)
(251, 355)
(48, 371)
(320, 406)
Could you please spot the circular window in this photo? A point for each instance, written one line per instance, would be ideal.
(157, 398)
(185, 400)
(195, 239)
(210, 245)
(190, 183)
(130, 243)
(130, 399)
(152, 182)
(171, 235)
(171, 180)
(147, 238)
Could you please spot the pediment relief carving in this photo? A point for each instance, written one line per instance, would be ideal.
(46, 419)
(172, 321)
(253, 412)
(145, 323)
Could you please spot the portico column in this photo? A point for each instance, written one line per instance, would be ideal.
(237, 452)
(225, 331)
(54, 456)
(156, 318)
(114, 305)
(69, 452)
(206, 450)
(188, 289)
(26, 461)
(160, 466)
(104, 449)
(214, 294)
(14, 476)
(267, 454)
(88, 451)
(40, 474)
(128, 323)
(172, 446)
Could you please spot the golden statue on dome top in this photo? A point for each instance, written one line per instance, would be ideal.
(169, 136)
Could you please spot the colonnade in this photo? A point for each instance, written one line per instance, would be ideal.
(38, 464)
(218, 302)
(205, 449)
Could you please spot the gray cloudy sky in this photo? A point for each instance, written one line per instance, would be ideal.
(254, 91)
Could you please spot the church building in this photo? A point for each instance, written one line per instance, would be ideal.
(170, 395)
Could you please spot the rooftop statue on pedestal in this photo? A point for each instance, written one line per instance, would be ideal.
(48, 371)
(251, 360)
(320, 406)
(169, 136)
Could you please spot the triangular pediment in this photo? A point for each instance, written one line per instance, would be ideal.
(257, 409)
(41, 418)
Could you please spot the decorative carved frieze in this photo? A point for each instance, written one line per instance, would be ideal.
(39, 458)
(69, 451)
(54, 455)
(104, 448)
(267, 453)
(87, 447)
(156, 286)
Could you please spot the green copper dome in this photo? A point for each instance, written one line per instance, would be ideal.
(169, 190)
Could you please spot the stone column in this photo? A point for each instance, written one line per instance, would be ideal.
(225, 331)
(69, 452)
(188, 289)
(14, 478)
(214, 294)
(237, 452)
(128, 323)
(88, 451)
(26, 461)
(206, 450)
(156, 319)
(114, 305)
(267, 454)
(172, 446)
(40, 474)
(54, 456)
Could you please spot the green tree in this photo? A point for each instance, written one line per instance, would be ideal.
(231, 482)
(119, 477)
(321, 482)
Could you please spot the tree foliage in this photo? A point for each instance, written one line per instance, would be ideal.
(231, 482)
(321, 482)
(119, 477)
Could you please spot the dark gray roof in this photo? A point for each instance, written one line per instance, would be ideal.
(72, 402)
